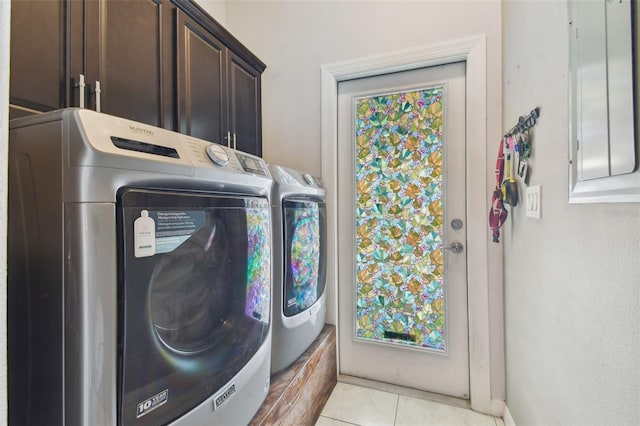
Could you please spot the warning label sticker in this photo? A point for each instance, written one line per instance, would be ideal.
(175, 227)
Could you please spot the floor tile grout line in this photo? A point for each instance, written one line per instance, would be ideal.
(395, 417)
(343, 421)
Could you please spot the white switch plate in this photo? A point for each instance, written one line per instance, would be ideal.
(533, 201)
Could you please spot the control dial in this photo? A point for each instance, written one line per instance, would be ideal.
(217, 154)
(308, 178)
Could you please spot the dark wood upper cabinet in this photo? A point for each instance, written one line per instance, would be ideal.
(219, 91)
(245, 118)
(123, 49)
(166, 63)
(38, 57)
(201, 91)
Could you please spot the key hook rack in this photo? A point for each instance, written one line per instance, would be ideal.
(524, 123)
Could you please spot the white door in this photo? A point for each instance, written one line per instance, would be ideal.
(401, 230)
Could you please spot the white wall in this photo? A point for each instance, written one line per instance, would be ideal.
(5, 20)
(294, 38)
(572, 279)
(216, 8)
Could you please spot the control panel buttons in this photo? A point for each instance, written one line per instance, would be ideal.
(218, 155)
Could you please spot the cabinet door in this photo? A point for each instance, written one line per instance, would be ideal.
(201, 82)
(123, 48)
(38, 67)
(245, 106)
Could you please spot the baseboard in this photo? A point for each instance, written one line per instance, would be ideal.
(508, 419)
(497, 408)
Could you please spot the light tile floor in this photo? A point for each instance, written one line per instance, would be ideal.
(356, 405)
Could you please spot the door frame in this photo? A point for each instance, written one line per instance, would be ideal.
(473, 51)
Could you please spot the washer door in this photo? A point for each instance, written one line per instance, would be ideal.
(305, 253)
(195, 280)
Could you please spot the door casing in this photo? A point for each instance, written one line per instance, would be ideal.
(473, 51)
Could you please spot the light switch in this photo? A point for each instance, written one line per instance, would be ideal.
(533, 201)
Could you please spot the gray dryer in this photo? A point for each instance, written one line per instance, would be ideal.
(299, 235)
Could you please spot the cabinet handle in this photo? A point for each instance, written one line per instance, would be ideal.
(98, 91)
(228, 139)
(81, 85)
(234, 141)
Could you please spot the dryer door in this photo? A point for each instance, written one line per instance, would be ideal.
(305, 253)
(194, 289)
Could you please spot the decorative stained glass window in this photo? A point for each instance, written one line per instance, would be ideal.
(399, 186)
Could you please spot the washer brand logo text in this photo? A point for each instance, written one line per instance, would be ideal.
(148, 405)
(141, 130)
(224, 396)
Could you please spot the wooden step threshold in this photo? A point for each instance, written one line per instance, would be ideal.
(298, 393)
